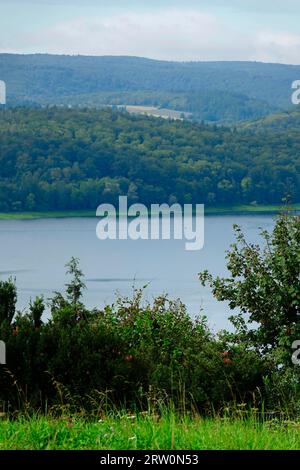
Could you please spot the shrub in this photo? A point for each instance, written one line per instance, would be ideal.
(134, 353)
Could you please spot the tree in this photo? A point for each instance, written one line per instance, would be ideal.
(76, 285)
(265, 285)
(8, 300)
(30, 202)
(37, 308)
(90, 156)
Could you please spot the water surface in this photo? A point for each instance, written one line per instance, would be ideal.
(36, 251)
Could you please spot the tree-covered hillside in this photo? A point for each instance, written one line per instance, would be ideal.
(60, 159)
(285, 121)
(212, 91)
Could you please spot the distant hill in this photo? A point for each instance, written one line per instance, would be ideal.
(212, 91)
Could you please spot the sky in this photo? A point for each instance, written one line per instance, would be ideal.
(257, 30)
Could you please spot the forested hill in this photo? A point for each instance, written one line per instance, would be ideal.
(212, 91)
(286, 121)
(60, 159)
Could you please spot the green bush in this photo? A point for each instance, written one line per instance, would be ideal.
(132, 353)
(264, 284)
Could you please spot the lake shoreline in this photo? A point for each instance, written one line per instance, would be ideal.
(219, 210)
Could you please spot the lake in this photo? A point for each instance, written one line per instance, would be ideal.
(36, 251)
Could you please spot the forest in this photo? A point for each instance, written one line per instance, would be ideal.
(71, 159)
(211, 91)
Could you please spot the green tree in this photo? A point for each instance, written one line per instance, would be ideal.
(265, 285)
(30, 202)
(76, 285)
(37, 308)
(8, 300)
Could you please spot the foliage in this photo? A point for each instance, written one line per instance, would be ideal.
(264, 284)
(60, 159)
(8, 300)
(133, 353)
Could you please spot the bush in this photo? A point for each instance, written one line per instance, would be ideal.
(133, 353)
(265, 286)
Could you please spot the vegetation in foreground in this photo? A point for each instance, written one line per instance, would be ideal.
(137, 356)
(143, 432)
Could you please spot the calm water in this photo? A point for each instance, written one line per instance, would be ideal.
(36, 252)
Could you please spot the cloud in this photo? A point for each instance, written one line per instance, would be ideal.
(256, 6)
(166, 34)
(278, 47)
(171, 34)
(266, 6)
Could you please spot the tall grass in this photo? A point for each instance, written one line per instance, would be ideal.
(146, 431)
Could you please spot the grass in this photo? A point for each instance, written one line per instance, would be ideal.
(126, 432)
(45, 215)
(249, 209)
(218, 210)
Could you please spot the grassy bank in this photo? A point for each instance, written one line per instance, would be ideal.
(249, 209)
(147, 433)
(45, 215)
(218, 210)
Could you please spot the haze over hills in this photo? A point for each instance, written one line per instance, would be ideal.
(211, 91)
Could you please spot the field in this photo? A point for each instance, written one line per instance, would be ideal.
(157, 112)
(128, 432)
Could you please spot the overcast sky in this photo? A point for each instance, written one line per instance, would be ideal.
(262, 30)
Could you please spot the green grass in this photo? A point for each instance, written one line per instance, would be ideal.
(45, 215)
(147, 433)
(221, 210)
(249, 209)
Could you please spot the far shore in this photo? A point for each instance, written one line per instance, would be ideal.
(218, 210)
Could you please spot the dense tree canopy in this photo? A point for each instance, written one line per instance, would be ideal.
(60, 159)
